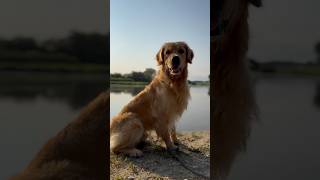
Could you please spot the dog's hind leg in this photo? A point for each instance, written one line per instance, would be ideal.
(143, 142)
(129, 133)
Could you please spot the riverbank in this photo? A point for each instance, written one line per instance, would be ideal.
(142, 83)
(53, 67)
(290, 68)
(193, 158)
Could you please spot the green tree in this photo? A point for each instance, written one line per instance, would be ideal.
(22, 44)
(88, 47)
(317, 49)
(149, 74)
(116, 75)
(137, 76)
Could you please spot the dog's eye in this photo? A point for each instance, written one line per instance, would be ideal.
(180, 51)
(167, 52)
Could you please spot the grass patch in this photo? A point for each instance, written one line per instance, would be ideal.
(311, 70)
(140, 83)
(199, 83)
(121, 79)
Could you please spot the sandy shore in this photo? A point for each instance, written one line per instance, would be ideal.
(192, 161)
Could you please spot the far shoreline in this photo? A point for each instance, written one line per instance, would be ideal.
(142, 83)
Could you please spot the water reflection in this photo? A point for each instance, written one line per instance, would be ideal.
(233, 116)
(75, 90)
(35, 106)
(195, 118)
(132, 90)
(283, 140)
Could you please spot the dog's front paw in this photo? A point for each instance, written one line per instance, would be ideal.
(172, 148)
(135, 153)
(176, 142)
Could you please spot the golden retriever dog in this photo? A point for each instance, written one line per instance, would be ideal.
(79, 151)
(234, 103)
(158, 106)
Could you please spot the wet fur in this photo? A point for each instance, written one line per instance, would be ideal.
(157, 107)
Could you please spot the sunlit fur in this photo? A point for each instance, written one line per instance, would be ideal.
(157, 107)
(234, 102)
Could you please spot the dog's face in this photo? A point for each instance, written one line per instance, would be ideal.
(174, 57)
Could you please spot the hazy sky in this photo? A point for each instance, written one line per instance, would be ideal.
(44, 19)
(285, 30)
(281, 30)
(139, 28)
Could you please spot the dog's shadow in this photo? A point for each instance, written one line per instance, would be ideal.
(186, 163)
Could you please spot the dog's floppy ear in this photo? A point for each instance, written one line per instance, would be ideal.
(159, 56)
(189, 54)
(257, 3)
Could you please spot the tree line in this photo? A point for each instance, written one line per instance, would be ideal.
(317, 50)
(76, 47)
(145, 76)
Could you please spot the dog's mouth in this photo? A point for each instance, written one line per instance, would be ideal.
(175, 71)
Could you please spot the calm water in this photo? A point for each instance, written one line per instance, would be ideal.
(285, 143)
(34, 107)
(196, 117)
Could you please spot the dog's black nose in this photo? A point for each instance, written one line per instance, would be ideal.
(175, 61)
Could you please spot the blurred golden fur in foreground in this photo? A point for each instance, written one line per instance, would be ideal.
(79, 151)
(234, 103)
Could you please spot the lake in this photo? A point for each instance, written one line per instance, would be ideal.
(284, 143)
(34, 107)
(196, 117)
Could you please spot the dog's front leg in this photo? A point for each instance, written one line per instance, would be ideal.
(174, 136)
(165, 135)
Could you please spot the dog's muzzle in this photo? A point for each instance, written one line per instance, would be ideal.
(175, 62)
(175, 65)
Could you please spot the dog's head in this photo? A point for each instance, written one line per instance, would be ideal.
(174, 58)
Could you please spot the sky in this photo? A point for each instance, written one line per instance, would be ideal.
(281, 30)
(139, 28)
(43, 19)
(284, 30)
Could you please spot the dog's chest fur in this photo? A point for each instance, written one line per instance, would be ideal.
(170, 101)
(160, 104)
